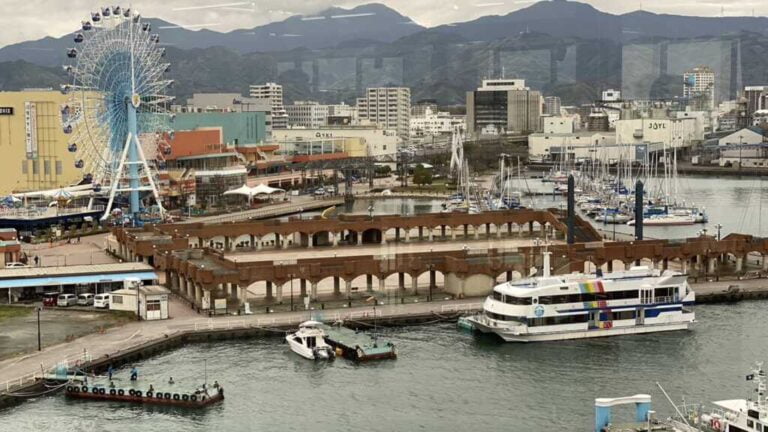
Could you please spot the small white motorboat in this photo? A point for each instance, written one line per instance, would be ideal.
(309, 342)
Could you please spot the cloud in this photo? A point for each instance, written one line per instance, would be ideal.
(22, 20)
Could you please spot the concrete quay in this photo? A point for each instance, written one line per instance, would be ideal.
(139, 340)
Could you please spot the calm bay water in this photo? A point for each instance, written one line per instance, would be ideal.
(444, 380)
(740, 205)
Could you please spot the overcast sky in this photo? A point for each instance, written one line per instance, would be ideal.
(22, 20)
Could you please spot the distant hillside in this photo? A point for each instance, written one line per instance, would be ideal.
(19, 74)
(565, 48)
(574, 19)
(374, 22)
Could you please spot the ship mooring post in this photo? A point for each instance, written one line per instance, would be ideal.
(639, 210)
(571, 209)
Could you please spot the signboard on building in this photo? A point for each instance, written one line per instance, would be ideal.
(220, 306)
(30, 122)
(641, 152)
(6, 110)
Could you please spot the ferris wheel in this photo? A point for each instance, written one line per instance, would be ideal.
(116, 114)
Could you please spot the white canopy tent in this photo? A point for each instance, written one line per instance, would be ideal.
(242, 190)
(263, 189)
(251, 192)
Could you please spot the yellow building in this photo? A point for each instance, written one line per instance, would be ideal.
(32, 142)
(356, 147)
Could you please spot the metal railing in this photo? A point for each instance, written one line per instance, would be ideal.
(32, 377)
(462, 308)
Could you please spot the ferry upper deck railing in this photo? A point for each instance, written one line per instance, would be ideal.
(661, 300)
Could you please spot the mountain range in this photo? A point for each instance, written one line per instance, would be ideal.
(561, 47)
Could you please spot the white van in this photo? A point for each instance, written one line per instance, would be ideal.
(85, 299)
(65, 300)
(101, 301)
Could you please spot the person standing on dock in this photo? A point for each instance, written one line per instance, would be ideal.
(134, 374)
(170, 381)
(110, 371)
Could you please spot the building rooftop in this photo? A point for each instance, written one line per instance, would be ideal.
(573, 134)
(146, 290)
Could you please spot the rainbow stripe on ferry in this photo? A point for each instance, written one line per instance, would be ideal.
(595, 287)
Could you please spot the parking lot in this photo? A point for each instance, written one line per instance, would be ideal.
(56, 325)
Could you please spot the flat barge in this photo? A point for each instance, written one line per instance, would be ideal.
(198, 399)
(357, 346)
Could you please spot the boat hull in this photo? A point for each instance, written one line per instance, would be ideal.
(201, 400)
(648, 222)
(510, 336)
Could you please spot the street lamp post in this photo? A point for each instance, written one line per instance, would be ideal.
(431, 280)
(291, 276)
(39, 337)
(741, 142)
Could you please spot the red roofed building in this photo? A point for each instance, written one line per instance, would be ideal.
(197, 142)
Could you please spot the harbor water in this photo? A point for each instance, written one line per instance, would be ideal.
(740, 205)
(443, 380)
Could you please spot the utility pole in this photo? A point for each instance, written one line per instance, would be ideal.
(39, 337)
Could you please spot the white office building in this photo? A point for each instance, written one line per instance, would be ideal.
(552, 105)
(344, 110)
(611, 95)
(274, 94)
(435, 123)
(387, 107)
(669, 133)
(699, 87)
(307, 114)
(577, 146)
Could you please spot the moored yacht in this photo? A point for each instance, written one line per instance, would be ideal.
(667, 220)
(576, 306)
(309, 342)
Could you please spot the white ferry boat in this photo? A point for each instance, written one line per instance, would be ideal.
(576, 306)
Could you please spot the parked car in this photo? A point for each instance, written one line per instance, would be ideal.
(65, 300)
(85, 299)
(50, 299)
(15, 265)
(101, 301)
(320, 191)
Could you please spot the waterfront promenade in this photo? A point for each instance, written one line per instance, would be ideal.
(23, 369)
